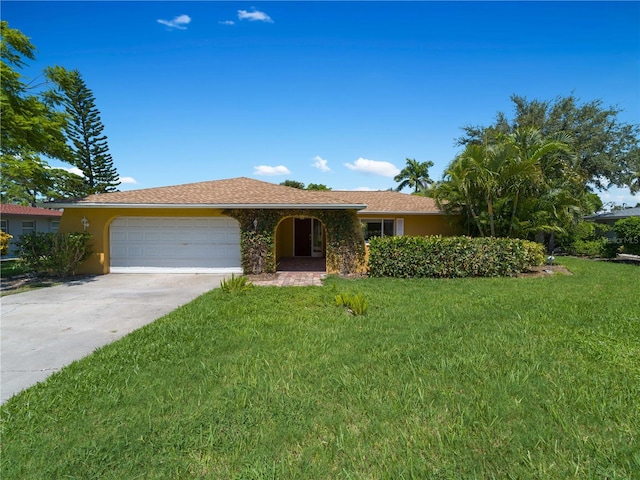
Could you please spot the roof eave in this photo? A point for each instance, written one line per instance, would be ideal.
(399, 212)
(22, 215)
(227, 206)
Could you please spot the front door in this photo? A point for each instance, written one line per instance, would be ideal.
(302, 236)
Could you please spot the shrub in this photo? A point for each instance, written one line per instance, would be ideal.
(628, 234)
(451, 256)
(236, 284)
(588, 239)
(589, 248)
(533, 253)
(355, 304)
(4, 242)
(58, 254)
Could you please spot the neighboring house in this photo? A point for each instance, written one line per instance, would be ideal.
(240, 225)
(612, 217)
(17, 220)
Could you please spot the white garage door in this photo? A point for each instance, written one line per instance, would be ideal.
(175, 245)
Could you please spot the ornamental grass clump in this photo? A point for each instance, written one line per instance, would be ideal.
(235, 284)
(355, 304)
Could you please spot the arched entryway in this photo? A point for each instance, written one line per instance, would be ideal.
(301, 245)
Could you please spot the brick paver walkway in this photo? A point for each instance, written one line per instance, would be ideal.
(294, 279)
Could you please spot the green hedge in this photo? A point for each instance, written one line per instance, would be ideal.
(628, 235)
(450, 257)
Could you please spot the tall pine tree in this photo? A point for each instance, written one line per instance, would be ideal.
(84, 130)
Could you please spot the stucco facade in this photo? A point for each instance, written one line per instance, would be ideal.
(264, 223)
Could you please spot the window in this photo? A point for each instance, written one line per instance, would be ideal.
(28, 227)
(378, 228)
(3, 226)
(55, 224)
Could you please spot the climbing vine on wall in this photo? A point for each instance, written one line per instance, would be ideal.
(345, 243)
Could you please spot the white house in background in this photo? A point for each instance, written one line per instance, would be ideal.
(17, 220)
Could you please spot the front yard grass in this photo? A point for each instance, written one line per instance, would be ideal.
(12, 267)
(17, 277)
(466, 378)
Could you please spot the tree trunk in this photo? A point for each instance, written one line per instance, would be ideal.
(490, 209)
(552, 243)
(513, 212)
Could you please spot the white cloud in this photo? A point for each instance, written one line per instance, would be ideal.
(128, 180)
(321, 164)
(375, 167)
(268, 171)
(180, 22)
(618, 196)
(227, 22)
(255, 16)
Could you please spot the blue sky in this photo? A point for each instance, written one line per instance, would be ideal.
(339, 93)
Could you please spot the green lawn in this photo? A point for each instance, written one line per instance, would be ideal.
(467, 378)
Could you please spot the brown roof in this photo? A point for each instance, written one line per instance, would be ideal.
(249, 193)
(235, 192)
(389, 201)
(7, 209)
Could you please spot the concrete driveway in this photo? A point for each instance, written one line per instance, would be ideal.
(44, 330)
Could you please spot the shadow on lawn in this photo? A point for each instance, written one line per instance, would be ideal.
(25, 282)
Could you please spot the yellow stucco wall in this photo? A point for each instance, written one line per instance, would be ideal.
(419, 225)
(99, 220)
(284, 238)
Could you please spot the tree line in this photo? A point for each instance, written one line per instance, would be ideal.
(56, 119)
(535, 175)
(530, 176)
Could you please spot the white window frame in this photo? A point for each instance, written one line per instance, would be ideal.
(55, 225)
(26, 230)
(381, 222)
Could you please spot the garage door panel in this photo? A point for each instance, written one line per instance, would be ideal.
(180, 244)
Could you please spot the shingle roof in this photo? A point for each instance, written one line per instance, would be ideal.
(245, 193)
(388, 201)
(7, 209)
(229, 193)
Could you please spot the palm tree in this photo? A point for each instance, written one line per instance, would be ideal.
(494, 179)
(414, 175)
(487, 169)
(535, 164)
(457, 192)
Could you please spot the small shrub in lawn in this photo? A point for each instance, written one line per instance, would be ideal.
(235, 284)
(355, 304)
(449, 257)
